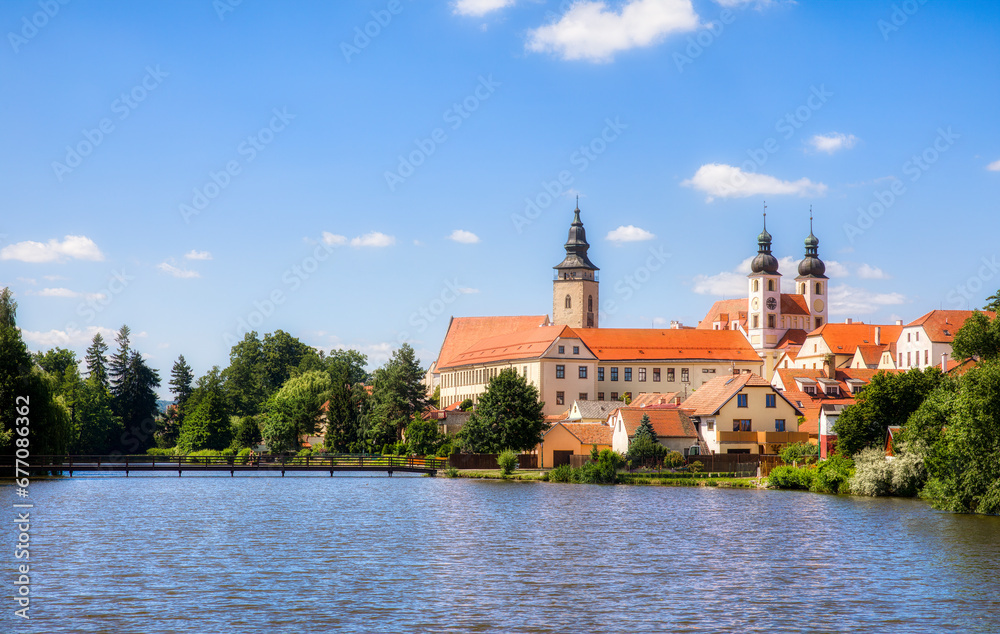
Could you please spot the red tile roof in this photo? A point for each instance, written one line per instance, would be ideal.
(794, 305)
(845, 338)
(524, 344)
(811, 404)
(618, 344)
(871, 354)
(941, 325)
(464, 332)
(710, 397)
(667, 423)
(647, 399)
(725, 311)
(590, 433)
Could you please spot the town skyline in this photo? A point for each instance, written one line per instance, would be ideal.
(364, 197)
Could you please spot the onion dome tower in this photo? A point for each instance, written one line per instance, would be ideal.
(812, 281)
(575, 299)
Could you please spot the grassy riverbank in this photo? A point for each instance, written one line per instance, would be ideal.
(642, 479)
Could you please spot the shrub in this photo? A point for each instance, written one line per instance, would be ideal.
(562, 473)
(604, 471)
(157, 451)
(786, 477)
(243, 456)
(673, 459)
(872, 473)
(645, 451)
(833, 475)
(445, 450)
(908, 474)
(695, 466)
(795, 453)
(507, 460)
(452, 472)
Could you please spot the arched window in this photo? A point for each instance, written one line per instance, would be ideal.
(590, 303)
(770, 285)
(569, 302)
(756, 286)
(819, 288)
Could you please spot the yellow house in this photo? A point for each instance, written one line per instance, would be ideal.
(743, 413)
(562, 440)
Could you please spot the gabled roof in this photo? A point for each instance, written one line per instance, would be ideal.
(811, 404)
(845, 338)
(710, 397)
(649, 399)
(941, 325)
(725, 311)
(595, 409)
(794, 305)
(589, 433)
(793, 338)
(871, 354)
(667, 423)
(464, 332)
(641, 344)
(525, 344)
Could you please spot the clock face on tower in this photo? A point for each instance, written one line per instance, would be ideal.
(755, 303)
(772, 303)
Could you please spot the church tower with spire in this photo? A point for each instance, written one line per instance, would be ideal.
(812, 282)
(575, 298)
(763, 323)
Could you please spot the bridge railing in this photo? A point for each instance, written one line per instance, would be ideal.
(264, 461)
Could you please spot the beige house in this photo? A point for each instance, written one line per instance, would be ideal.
(743, 413)
(673, 428)
(841, 341)
(565, 439)
(927, 341)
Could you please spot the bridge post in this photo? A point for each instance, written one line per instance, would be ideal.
(71, 465)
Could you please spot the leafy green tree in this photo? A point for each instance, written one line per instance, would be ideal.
(398, 394)
(509, 416)
(279, 431)
(423, 437)
(345, 407)
(247, 432)
(98, 429)
(245, 379)
(206, 424)
(888, 399)
(282, 354)
(56, 361)
(799, 452)
(978, 337)
(353, 361)
(181, 378)
(97, 363)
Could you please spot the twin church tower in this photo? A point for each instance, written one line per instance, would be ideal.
(767, 317)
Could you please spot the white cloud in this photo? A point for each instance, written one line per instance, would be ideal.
(373, 239)
(333, 240)
(868, 272)
(75, 247)
(726, 181)
(28, 280)
(465, 237)
(629, 233)
(477, 8)
(847, 300)
(832, 142)
(66, 338)
(177, 272)
(835, 269)
(468, 291)
(733, 284)
(591, 31)
(198, 255)
(54, 278)
(994, 166)
(67, 293)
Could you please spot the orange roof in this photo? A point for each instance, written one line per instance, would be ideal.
(793, 338)
(556, 418)
(667, 423)
(871, 354)
(647, 399)
(725, 311)
(710, 397)
(811, 404)
(941, 325)
(845, 338)
(794, 305)
(464, 332)
(525, 344)
(619, 344)
(590, 433)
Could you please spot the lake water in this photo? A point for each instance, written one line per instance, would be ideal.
(364, 554)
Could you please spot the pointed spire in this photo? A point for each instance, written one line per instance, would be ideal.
(577, 245)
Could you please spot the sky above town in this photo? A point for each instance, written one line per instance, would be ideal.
(355, 173)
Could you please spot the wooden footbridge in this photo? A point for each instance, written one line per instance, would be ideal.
(69, 465)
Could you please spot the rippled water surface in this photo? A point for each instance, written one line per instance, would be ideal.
(363, 554)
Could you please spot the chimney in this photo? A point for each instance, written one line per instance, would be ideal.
(848, 321)
(830, 366)
(878, 336)
(899, 322)
(944, 361)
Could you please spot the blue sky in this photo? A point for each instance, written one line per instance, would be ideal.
(356, 172)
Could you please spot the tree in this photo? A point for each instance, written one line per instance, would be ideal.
(181, 378)
(978, 337)
(645, 429)
(346, 405)
(136, 404)
(97, 364)
(423, 437)
(247, 432)
(888, 399)
(98, 429)
(509, 416)
(56, 361)
(282, 354)
(993, 303)
(398, 394)
(206, 425)
(245, 379)
(644, 449)
(118, 368)
(300, 401)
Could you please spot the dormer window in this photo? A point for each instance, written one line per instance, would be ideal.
(809, 389)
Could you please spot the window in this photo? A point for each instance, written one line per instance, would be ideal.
(741, 400)
(600, 396)
(770, 400)
(819, 288)
(770, 285)
(569, 302)
(756, 285)
(741, 424)
(927, 356)
(756, 321)
(670, 375)
(819, 322)
(583, 396)
(685, 376)
(711, 424)
(628, 374)
(614, 396)
(642, 374)
(833, 390)
(779, 424)
(856, 389)
(802, 289)
(560, 372)
(908, 337)
(614, 375)
(583, 372)
(562, 349)
(909, 361)
(770, 321)
(524, 371)
(600, 374)
(576, 349)
(708, 370)
(916, 335)
(656, 375)
(590, 303)
(900, 359)
(809, 389)
(560, 398)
